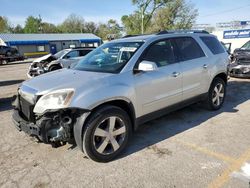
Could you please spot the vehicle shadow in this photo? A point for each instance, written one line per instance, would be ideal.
(5, 103)
(10, 82)
(180, 121)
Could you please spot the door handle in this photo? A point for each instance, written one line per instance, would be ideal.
(205, 66)
(175, 74)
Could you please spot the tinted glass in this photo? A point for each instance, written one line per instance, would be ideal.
(110, 57)
(188, 49)
(84, 52)
(161, 53)
(213, 44)
(72, 54)
(246, 46)
(60, 54)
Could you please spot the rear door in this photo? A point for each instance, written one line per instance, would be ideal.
(194, 66)
(161, 88)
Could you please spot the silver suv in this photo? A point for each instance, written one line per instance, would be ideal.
(119, 86)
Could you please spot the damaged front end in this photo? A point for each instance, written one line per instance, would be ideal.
(51, 127)
(40, 66)
(240, 64)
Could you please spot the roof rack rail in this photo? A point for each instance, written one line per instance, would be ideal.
(182, 31)
(127, 36)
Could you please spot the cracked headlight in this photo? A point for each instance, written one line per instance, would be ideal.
(54, 100)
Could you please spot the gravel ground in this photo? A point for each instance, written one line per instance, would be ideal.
(191, 147)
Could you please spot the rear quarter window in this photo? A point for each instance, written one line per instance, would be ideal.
(213, 44)
(188, 49)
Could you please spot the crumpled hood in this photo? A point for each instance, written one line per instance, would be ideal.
(42, 58)
(66, 78)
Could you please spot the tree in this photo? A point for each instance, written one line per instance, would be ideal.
(33, 24)
(111, 28)
(72, 24)
(48, 28)
(146, 9)
(177, 15)
(90, 27)
(17, 29)
(132, 23)
(4, 25)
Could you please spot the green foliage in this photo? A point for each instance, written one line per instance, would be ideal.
(48, 28)
(177, 15)
(33, 25)
(4, 25)
(72, 24)
(145, 12)
(132, 23)
(155, 15)
(108, 30)
(17, 29)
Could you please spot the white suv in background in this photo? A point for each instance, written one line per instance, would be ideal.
(120, 85)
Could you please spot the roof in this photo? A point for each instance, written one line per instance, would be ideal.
(15, 39)
(163, 34)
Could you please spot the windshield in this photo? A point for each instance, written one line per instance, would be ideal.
(246, 46)
(60, 54)
(110, 57)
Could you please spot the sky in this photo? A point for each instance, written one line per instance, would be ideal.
(55, 11)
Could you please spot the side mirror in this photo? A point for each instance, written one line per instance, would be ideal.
(147, 66)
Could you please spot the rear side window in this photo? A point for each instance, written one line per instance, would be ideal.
(84, 52)
(188, 49)
(213, 44)
(161, 53)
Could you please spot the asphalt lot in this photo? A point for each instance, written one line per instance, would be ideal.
(192, 148)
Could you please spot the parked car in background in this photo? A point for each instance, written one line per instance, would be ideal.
(120, 85)
(240, 62)
(62, 59)
(9, 54)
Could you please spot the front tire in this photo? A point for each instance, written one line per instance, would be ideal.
(106, 133)
(54, 68)
(216, 94)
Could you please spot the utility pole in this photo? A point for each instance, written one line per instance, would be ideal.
(142, 20)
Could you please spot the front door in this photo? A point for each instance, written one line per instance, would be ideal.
(161, 88)
(53, 49)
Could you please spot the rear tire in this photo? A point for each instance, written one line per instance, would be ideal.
(216, 94)
(106, 133)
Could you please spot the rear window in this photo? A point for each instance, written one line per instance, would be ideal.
(188, 48)
(213, 44)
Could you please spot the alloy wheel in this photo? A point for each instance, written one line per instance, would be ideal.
(109, 135)
(218, 94)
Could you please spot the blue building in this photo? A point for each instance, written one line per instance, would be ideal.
(32, 45)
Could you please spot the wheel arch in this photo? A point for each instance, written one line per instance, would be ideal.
(127, 106)
(223, 76)
(81, 121)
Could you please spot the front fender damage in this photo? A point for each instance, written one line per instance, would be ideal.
(55, 128)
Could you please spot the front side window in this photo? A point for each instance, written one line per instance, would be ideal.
(72, 54)
(161, 53)
(246, 46)
(110, 57)
(60, 54)
(188, 49)
(213, 44)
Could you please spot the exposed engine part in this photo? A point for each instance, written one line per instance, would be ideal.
(56, 129)
(63, 132)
